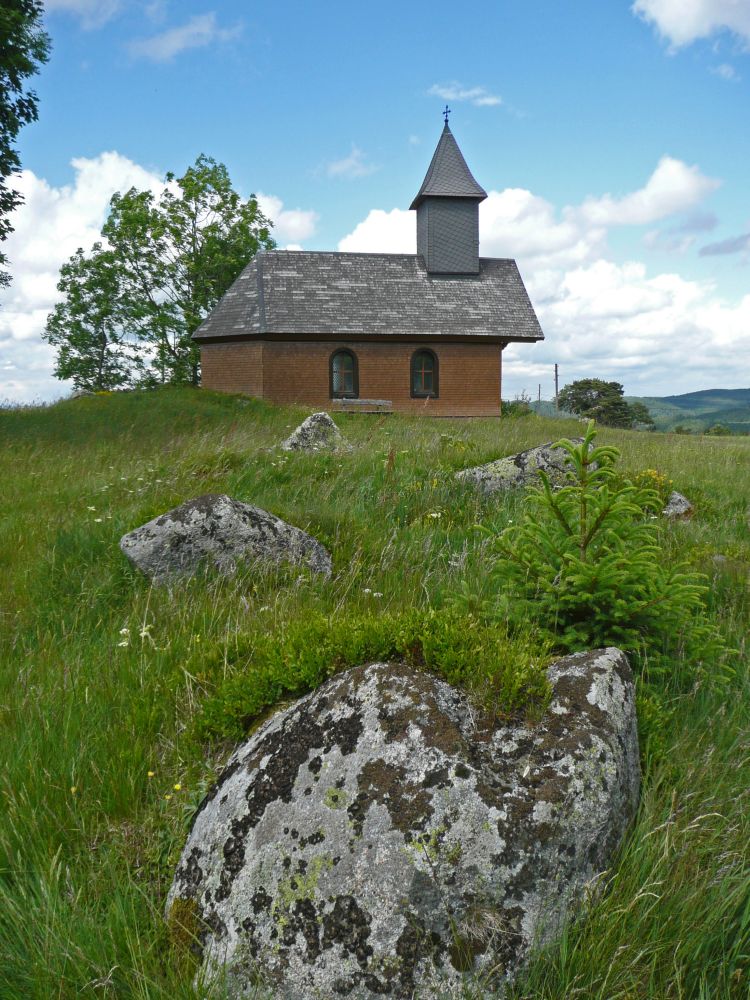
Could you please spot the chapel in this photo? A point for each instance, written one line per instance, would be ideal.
(420, 332)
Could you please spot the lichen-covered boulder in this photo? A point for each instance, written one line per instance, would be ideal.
(216, 531)
(379, 838)
(678, 507)
(518, 470)
(317, 433)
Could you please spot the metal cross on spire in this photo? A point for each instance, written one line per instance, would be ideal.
(446, 113)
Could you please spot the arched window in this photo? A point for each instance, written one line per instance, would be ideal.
(424, 375)
(344, 375)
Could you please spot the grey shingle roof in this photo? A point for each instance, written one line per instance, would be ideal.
(447, 175)
(330, 295)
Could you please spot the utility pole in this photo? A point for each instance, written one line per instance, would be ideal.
(539, 393)
(557, 405)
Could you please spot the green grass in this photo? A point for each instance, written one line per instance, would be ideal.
(89, 840)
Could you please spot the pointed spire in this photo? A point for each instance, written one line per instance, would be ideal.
(448, 176)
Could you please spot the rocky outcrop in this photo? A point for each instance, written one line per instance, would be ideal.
(216, 531)
(317, 433)
(678, 507)
(518, 470)
(379, 838)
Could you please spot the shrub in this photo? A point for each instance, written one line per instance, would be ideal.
(718, 430)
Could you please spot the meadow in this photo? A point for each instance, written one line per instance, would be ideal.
(119, 701)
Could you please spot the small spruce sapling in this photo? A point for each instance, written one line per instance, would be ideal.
(585, 563)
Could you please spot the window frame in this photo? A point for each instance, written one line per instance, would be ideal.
(355, 374)
(435, 394)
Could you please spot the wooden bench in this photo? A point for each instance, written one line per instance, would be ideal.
(362, 405)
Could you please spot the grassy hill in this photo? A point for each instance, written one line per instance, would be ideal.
(119, 702)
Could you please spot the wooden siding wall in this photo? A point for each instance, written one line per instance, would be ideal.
(298, 372)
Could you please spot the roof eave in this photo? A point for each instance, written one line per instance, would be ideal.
(452, 197)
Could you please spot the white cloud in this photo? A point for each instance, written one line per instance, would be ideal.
(288, 224)
(672, 187)
(655, 333)
(49, 227)
(516, 223)
(382, 232)
(199, 31)
(478, 96)
(353, 165)
(684, 21)
(726, 72)
(91, 13)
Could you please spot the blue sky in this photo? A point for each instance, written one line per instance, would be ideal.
(613, 138)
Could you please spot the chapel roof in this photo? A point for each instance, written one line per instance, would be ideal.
(448, 175)
(348, 295)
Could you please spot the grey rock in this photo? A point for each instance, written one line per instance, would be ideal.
(678, 507)
(380, 838)
(317, 433)
(216, 531)
(518, 470)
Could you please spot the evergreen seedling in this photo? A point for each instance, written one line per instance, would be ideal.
(585, 562)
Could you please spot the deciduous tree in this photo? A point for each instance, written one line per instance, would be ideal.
(88, 326)
(24, 46)
(178, 253)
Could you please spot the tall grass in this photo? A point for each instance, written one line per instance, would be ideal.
(102, 678)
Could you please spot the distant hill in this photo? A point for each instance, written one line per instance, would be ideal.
(696, 411)
(700, 410)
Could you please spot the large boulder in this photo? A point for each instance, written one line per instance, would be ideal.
(216, 531)
(317, 433)
(518, 470)
(380, 838)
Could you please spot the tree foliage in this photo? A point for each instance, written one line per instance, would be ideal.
(87, 326)
(178, 253)
(130, 306)
(640, 415)
(24, 46)
(603, 401)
